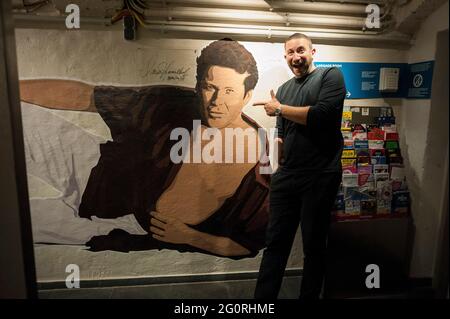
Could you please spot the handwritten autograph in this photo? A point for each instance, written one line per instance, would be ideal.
(166, 71)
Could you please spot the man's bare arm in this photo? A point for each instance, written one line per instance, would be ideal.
(58, 94)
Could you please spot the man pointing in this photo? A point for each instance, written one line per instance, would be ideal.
(308, 108)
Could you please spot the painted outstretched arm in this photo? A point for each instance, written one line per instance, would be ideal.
(172, 230)
(58, 94)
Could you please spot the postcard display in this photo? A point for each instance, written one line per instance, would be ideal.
(373, 179)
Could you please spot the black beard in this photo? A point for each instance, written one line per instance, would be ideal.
(303, 67)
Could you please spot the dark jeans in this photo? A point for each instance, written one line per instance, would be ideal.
(297, 198)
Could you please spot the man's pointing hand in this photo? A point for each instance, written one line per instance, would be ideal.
(270, 106)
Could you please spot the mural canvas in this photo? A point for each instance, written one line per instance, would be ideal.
(104, 165)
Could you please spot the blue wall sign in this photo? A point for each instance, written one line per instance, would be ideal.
(362, 79)
(420, 77)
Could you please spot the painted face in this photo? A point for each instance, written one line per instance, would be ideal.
(299, 56)
(223, 95)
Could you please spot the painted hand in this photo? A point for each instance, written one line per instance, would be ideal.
(270, 106)
(169, 229)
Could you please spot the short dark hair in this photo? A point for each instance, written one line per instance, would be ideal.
(230, 54)
(298, 35)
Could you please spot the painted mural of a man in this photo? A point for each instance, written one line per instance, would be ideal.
(216, 208)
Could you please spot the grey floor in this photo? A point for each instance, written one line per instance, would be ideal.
(227, 289)
(230, 289)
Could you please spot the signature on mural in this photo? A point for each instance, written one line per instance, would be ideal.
(166, 71)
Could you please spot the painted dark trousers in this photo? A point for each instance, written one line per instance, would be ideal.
(297, 198)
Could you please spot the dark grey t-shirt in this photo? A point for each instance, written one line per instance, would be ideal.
(316, 146)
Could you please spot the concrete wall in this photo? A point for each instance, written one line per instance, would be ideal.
(17, 276)
(418, 142)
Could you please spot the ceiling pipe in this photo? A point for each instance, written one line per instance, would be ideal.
(290, 6)
(260, 27)
(276, 34)
(248, 16)
(279, 33)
